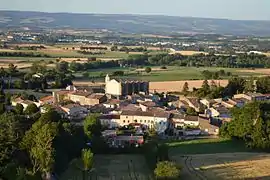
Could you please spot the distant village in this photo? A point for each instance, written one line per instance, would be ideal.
(124, 103)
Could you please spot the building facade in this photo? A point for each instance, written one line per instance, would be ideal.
(123, 88)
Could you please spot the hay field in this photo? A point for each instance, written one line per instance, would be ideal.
(258, 71)
(177, 86)
(188, 53)
(223, 166)
(107, 167)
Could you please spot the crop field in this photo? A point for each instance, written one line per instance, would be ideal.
(117, 167)
(225, 166)
(211, 159)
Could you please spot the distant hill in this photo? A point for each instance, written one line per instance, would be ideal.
(132, 23)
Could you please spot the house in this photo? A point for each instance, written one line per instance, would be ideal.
(95, 98)
(180, 120)
(251, 96)
(209, 102)
(208, 128)
(75, 111)
(219, 112)
(78, 97)
(60, 96)
(110, 120)
(24, 103)
(192, 102)
(152, 118)
(46, 100)
(121, 87)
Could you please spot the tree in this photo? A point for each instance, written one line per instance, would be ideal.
(263, 85)
(31, 109)
(92, 126)
(205, 86)
(167, 170)
(148, 69)
(62, 67)
(12, 69)
(38, 142)
(19, 84)
(87, 159)
(114, 48)
(236, 85)
(19, 109)
(8, 137)
(2, 108)
(185, 88)
(191, 111)
(249, 85)
(251, 124)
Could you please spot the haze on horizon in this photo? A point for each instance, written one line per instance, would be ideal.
(228, 9)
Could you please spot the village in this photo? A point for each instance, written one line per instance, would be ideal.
(126, 110)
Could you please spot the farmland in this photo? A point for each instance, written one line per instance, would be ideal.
(219, 159)
(107, 167)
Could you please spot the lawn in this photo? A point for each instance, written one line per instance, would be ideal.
(206, 146)
(107, 167)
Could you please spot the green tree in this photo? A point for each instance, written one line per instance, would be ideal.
(12, 69)
(8, 138)
(185, 88)
(167, 170)
(87, 159)
(19, 109)
(263, 85)
(191, 111)
(31, 109)
(92, 126)
(38, 142)
(62, 67)
(205, 86)
(249, 85)
(2, 108)
(148, 69)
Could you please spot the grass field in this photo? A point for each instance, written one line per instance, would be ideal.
(225, 166)
(206, 146)
(172, 73)
(211, 159)
(107, 167)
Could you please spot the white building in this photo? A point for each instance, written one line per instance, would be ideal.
(122, 87)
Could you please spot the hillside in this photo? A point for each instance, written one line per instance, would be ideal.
(132, 23)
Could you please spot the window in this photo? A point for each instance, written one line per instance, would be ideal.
(126, 117)
(141, 121)
(160, 123)
(128, 121)
(124, 121)
(144, 121)
(135, 121)
(148, 121)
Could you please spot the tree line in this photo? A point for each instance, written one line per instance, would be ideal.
(251, 124)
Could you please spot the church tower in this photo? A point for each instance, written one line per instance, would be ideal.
(107, 78)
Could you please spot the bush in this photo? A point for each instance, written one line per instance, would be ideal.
(163, 67)
(167, 170)
(148, 69)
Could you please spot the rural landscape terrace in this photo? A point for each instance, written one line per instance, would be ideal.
(133, 97)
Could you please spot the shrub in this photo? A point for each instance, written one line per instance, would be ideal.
(167, 170)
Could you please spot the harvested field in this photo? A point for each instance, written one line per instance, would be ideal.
(189, 53)
(258, 71)
(177, 86)
(224, 166)
(107, 167)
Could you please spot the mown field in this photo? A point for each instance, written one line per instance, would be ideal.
(107, 167)
(211, 159)
(172, 73)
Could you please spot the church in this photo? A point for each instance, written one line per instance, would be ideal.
(119, 87)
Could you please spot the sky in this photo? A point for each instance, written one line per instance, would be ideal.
(229, 9)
